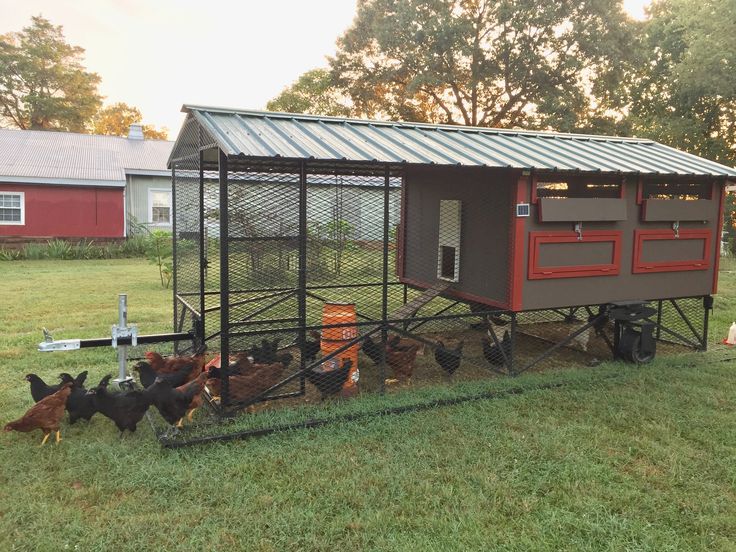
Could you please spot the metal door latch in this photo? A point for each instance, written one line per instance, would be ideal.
(579, 230)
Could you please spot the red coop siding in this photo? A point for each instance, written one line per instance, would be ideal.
(68, 212)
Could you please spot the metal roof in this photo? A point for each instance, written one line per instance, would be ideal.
(67, 158)
(294, 136)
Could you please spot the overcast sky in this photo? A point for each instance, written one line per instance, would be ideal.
(159, 54)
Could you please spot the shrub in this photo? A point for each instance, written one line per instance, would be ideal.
(134, 246)
(159, 251)
(59, 249)
(85, 249)
(9, 254)
(34, 251)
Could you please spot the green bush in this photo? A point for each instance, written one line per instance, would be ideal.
(159, 251)
(33, 251)
(9, 254)
(135, 246)
(59, 249)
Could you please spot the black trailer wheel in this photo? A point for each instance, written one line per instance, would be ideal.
(637, 355)
(633, 349)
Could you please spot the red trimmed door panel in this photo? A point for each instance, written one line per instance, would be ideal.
(697, 255)
(568, 259)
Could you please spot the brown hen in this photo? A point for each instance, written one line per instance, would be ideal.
(401, 358)
(197, 399)
(45, 415)
(173, 364)
(244, 388)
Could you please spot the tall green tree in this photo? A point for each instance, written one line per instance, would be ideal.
(684, 94)
(314, 92)
(43, 84)
(487, 63)
(115, 120)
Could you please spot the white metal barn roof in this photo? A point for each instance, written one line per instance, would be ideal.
(35, 156)
(291, 136)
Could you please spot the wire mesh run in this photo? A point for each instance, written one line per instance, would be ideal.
(333, 291)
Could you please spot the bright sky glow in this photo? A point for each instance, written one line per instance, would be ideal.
(160, 54)
(635, 8)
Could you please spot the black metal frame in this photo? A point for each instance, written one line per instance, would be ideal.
(253, 325)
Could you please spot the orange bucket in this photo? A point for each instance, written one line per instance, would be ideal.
(334, 338)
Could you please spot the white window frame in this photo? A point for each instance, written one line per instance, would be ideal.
(22, 209)
(150, 206)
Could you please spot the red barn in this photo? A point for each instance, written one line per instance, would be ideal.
(67, 185)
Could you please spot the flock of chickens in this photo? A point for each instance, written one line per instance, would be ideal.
(400, 354)
(175, 385)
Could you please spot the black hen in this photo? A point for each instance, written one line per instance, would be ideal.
(39, 389)
(78, 381)
(285, 359)
(448, 359)
(79, 404)
(372, 350)
(171, 403)
(312, 347)
(126, 409)
(266, 353)
(493, 353)
(329, 382)
(148, 375)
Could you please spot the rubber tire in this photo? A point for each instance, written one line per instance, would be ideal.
(634, 355)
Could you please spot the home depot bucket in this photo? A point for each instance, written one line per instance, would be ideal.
(334, 338)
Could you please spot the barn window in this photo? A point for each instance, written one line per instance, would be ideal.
(448, 258)
(577, 188)
(159, 206)
(674, 189)
(12, 208)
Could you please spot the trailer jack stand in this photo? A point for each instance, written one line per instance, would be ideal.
(122, 336)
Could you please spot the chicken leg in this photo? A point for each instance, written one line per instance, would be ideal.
(45, 438)
(58, 436)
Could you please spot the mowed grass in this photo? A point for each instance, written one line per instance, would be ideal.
(636, 459)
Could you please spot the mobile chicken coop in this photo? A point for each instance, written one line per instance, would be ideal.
(454, 253)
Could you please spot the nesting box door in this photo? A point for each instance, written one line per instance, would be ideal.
(448, 253)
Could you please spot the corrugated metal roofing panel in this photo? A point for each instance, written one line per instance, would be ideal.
(266, 134)
(78, 158)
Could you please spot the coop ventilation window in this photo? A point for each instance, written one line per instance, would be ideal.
(683, 190)
(577, 187)
(448, 259)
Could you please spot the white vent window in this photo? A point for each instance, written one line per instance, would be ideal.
(448, 253)
(12, 208)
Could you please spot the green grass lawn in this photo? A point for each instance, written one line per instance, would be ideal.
(620, 458)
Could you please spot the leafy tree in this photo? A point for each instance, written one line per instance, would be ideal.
(479, 62)
(115, 120)
(685, 92)
(314, 92)
(43, 84)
